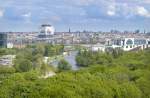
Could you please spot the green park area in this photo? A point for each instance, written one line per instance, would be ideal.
(113, 74)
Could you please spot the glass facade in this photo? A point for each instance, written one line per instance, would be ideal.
(139, 42)
(117, 42)
(3, 39)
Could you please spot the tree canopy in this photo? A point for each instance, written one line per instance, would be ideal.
(102, 75)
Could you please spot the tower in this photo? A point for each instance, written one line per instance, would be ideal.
(69, 30)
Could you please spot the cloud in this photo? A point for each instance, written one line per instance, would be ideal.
(56, 18)
(141, 11)
(111, 13)
(85, 2)
(80, 2)
(111, 10)
(1, 13)
(69, 12)
(27, 15)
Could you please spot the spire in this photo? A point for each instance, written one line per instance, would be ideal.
(69, 30)
(144, 31)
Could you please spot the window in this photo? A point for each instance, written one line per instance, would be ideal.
(139, 41)
(129, 42)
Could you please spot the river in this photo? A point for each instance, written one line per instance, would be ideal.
(70, 59)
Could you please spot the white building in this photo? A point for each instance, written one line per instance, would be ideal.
(46, 30)
(103, 48)
(98, 47)
(46, 34)
(7, 60)
(129, 44)
(10, 45)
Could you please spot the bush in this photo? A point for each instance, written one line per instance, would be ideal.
(23, 65)
(63, 65)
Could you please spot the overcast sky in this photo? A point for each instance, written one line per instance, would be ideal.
(95, 15)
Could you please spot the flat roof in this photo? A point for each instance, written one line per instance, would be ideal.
(44, 25)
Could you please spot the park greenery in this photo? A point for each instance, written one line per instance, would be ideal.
(113, 74)
(31, 58)
(63, 65)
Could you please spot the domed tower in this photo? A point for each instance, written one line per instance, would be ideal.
(46, 30)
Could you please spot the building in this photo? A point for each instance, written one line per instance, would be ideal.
(46, 34)
(3, 40)
(46, 31)
(7, 60)
(129, 44)
(17, 39)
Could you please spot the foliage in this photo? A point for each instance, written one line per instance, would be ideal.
(44, 68)
(5, 72)
(93, 82)
(127, 76)
(6, 69)
(116, 53)
(6, 51)
(23, 65)
(86, 58)
(33, 55)
(63, 65)
(51, 50)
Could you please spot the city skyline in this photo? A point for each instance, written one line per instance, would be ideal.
(92, 15)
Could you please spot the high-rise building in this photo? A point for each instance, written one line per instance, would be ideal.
(46, 31)
(3, 40)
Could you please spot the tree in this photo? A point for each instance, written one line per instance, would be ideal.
(63, 65)
(51, 50)
(44, 68)
(23, 65)
(87, 58)
(5, 70)
(38, 49)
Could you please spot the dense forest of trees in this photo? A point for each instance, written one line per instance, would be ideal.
(114, 74)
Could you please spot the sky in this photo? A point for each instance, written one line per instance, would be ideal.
(78, 15)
